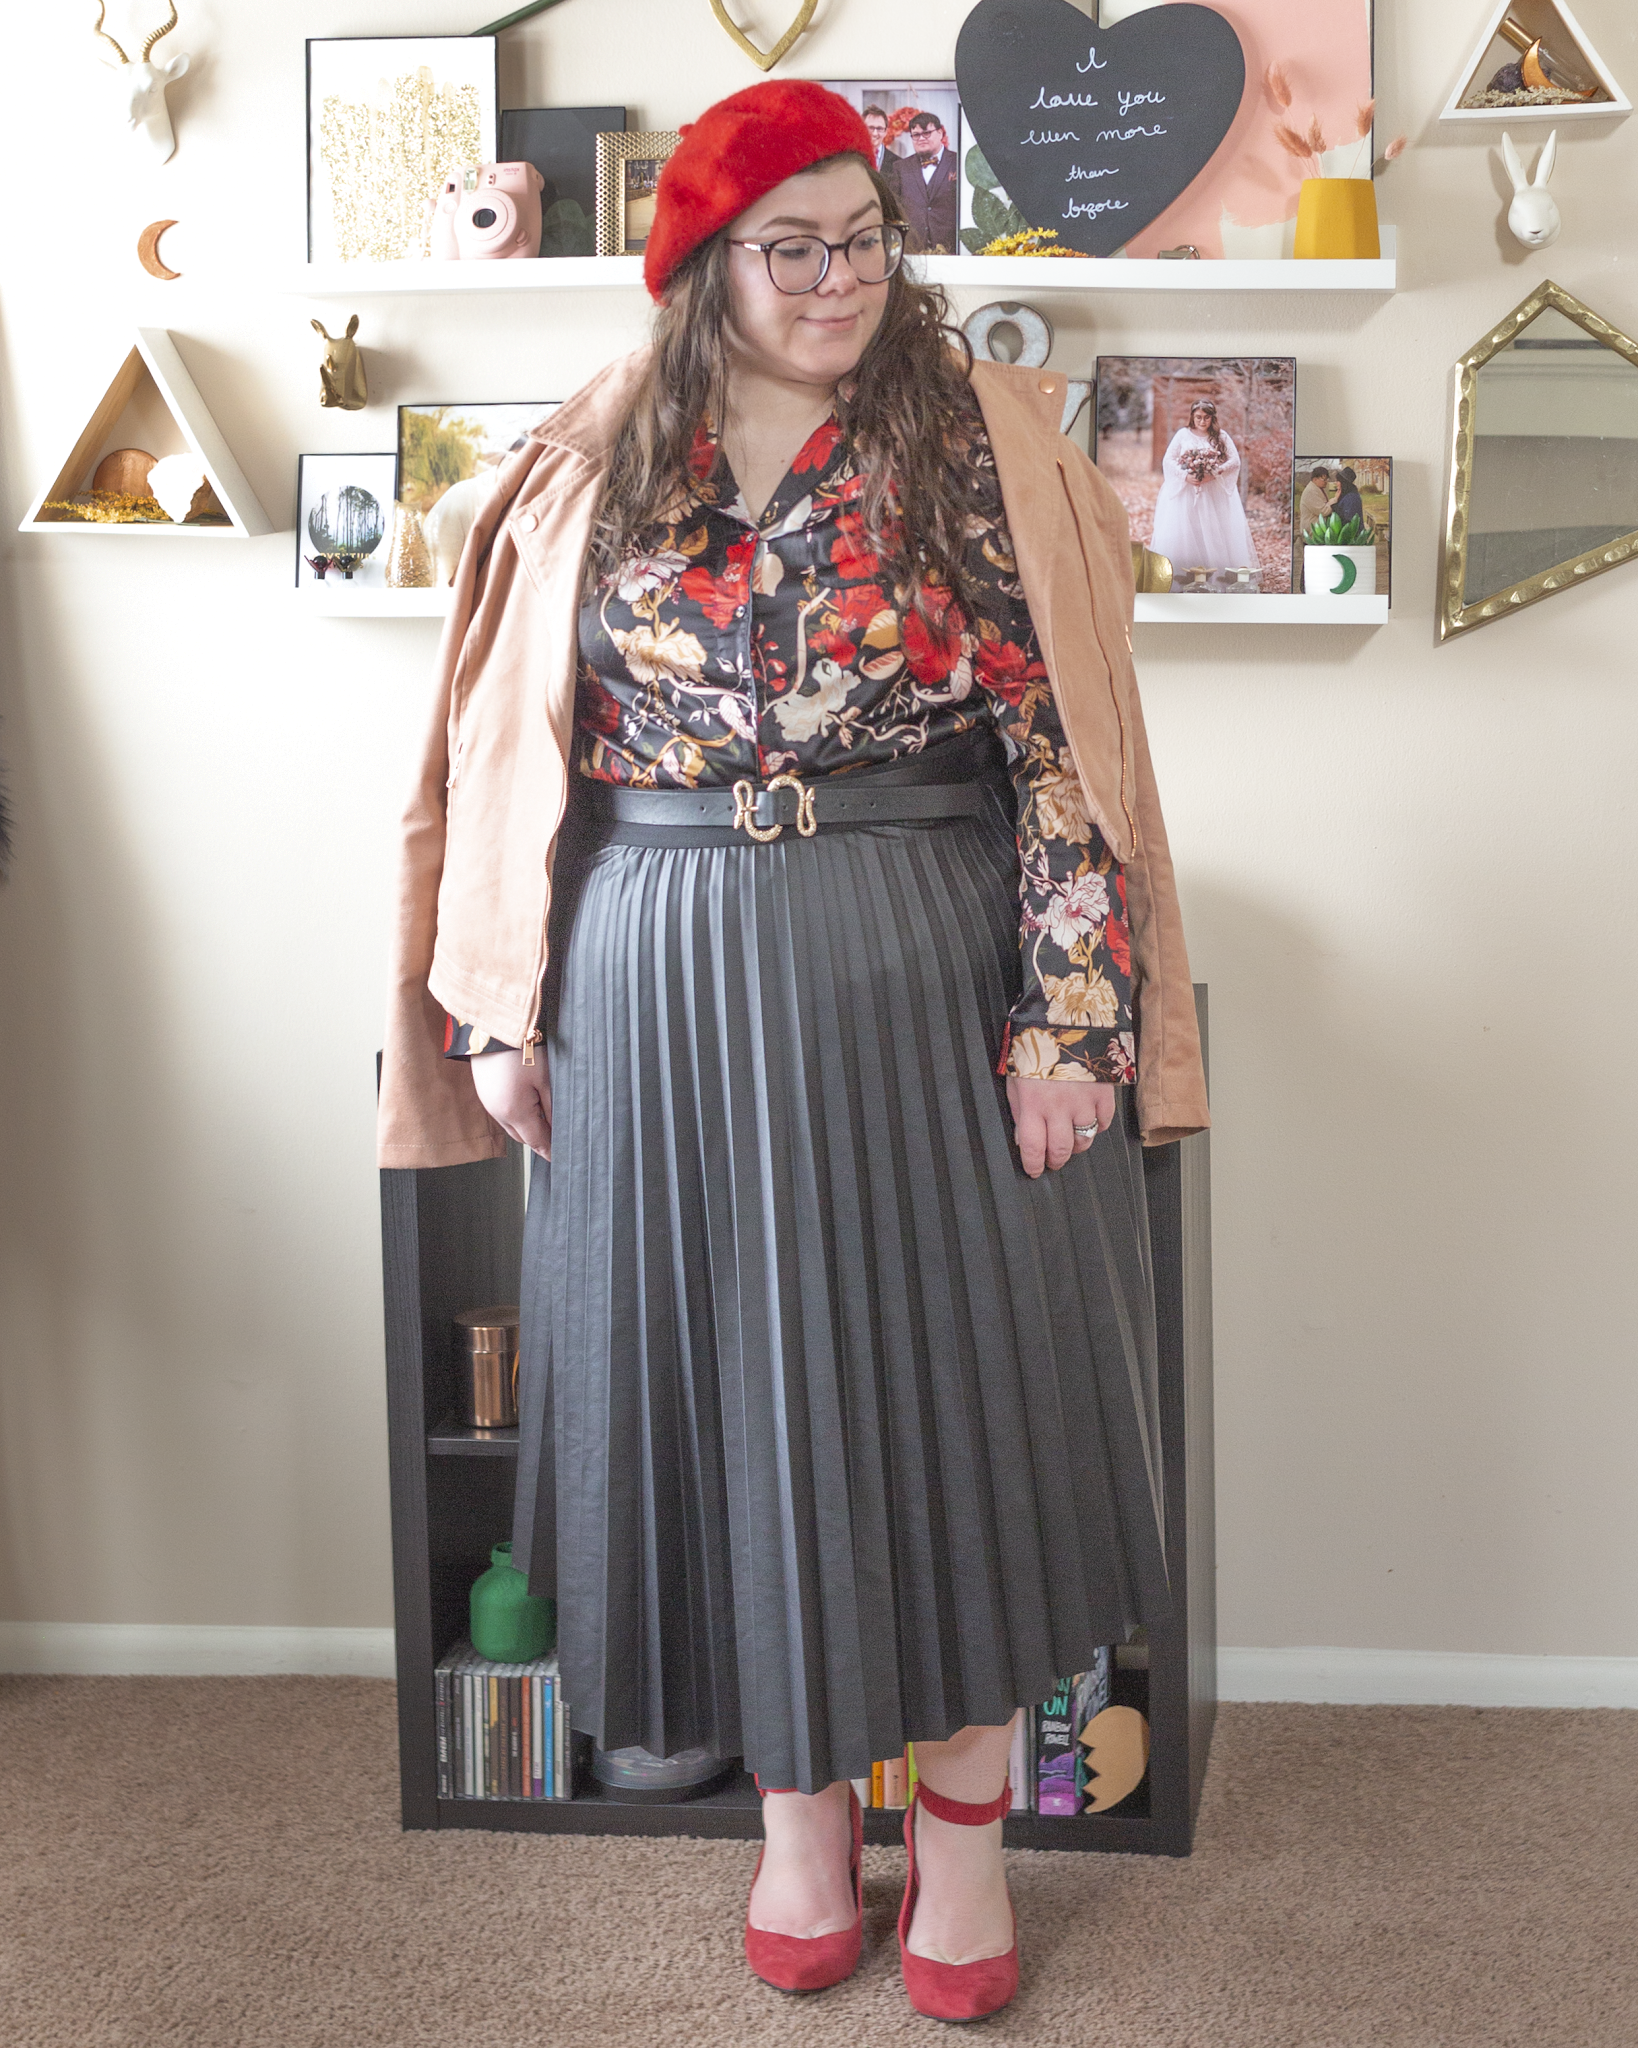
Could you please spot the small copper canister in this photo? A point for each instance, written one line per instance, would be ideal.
(487, 1366)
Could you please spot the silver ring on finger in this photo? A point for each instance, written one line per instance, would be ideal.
(1085, 1130)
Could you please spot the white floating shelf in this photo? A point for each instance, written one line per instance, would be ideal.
(345, 603)
(1173, 609)
(1014, 275)
(1213, 608)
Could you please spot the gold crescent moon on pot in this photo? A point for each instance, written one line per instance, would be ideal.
(148, 249)
(1534, 76)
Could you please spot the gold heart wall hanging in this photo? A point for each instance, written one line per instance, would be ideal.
(769, 58)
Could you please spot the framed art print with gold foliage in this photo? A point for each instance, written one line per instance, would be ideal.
(388, 119)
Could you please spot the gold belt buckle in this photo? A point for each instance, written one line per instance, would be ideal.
(745, 794)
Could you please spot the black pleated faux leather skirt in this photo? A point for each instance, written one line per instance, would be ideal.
(837, 1430)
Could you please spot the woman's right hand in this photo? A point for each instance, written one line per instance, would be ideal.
(519, 1098)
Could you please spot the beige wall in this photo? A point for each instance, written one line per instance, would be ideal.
(1407, 872)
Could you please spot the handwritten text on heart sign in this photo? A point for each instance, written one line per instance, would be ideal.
(1089, 209)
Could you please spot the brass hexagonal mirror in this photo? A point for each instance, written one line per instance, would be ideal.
(1544, 461)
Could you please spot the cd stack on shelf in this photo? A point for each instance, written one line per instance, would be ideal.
(503, 1729)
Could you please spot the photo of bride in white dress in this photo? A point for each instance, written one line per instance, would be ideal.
(1199, 520)
(1200, 449)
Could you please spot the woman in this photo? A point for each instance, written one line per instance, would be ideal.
(838, 1398)
(1199, 520)
(1350, 505)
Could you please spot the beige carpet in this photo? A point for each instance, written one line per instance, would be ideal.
(217, 1863)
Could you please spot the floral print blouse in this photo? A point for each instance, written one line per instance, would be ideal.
(733, 646)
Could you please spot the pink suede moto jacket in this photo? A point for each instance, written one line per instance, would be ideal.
(480, 830)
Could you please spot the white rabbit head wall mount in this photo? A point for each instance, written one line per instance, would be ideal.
(1533, 216)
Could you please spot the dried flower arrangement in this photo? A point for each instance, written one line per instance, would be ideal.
(1310, 147)
(111, 508)
(1030, 242)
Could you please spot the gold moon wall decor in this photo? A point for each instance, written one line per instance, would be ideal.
(1544, 461)
(766, 59)
(148, 249)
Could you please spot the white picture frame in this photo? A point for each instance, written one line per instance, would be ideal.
(320, 482)
(388, 118)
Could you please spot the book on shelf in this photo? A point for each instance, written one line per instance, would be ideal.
(1092, 1693)
(1060, 1762)
(503, 1729)
(1020, 1772)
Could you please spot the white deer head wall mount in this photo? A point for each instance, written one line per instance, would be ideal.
(142, 84)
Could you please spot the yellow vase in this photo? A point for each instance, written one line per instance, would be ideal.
(1336, 219)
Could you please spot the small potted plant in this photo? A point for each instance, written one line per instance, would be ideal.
(1339, 558)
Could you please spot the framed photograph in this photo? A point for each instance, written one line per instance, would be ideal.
(1244, 203)
(343, 505)
(1353, 487)
(388, 118)
(628, 177)
(561, 143)
(441, 447)
(917, 128)
(1200, 449)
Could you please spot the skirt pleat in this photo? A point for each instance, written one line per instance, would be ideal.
(837, 1430)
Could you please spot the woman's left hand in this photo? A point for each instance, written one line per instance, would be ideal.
(1045, 1114)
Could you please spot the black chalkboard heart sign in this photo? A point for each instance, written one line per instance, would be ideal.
(1095, 131)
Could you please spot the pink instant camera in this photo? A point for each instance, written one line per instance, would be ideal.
(500, 217)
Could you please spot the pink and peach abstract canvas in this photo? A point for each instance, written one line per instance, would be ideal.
(1244, 204)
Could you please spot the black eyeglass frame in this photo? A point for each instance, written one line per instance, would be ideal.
(879, 227)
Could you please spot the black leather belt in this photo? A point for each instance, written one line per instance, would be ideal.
(762, 811)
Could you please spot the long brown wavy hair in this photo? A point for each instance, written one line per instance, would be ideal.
(901, 408)
(1214, 433)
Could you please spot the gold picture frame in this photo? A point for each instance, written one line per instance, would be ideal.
(624, 161)
(1455, 616)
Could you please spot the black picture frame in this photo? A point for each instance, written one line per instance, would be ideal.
(561, 143)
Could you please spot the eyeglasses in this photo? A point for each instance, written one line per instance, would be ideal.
(801, 263)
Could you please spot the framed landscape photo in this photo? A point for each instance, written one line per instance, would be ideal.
(343, 506)
(1200, 450)
(561, 143)
(628, 179)
(1244, 203)
(917, 128)
(1352, 487)
(441, 446)
(388, 117)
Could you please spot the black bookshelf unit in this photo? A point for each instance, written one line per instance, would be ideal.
(452, 1239)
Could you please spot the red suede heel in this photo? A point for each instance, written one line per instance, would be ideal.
(953, 1991)
(791, 1962)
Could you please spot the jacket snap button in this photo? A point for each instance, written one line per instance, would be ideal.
(527, 521)
(1049, 385)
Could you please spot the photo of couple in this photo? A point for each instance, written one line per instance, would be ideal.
(1349, 487)
(916, 128)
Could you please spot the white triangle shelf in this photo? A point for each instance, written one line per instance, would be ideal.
(153, 369)
(1563, 38)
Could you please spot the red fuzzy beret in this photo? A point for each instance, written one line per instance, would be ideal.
(735, 152)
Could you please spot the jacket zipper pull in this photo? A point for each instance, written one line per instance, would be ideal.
(531, 1040)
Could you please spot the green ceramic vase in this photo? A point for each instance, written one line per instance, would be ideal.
(509, 1625)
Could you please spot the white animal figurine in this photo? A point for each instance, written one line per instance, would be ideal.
(1533, 216)
(142, 85)
(175, 482)
(450, 521)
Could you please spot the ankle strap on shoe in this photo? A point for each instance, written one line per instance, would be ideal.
(964, 1813)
